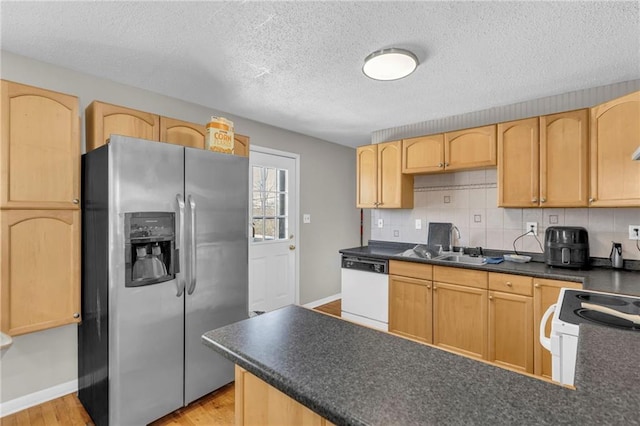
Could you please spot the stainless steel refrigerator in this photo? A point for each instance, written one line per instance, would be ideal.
(165, 234)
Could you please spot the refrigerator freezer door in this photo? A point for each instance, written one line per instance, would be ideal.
(217, 186)
(146, 323)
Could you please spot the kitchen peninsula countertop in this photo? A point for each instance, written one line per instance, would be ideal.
(596, 278)
(354, 375)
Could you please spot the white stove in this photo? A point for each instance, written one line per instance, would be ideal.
(583, 306)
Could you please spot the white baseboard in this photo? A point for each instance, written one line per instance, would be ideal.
(323, 301)
(24, 402)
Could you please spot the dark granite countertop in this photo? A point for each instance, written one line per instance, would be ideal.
(353, 375)
(596, 278)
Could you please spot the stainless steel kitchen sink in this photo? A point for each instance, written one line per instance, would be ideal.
(457, 258)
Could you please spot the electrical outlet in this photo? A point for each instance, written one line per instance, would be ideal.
(634, 232)
(418, 223)
(532, 226)
(306, 218)
(380, 223)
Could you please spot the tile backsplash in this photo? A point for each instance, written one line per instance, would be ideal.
(469, 201)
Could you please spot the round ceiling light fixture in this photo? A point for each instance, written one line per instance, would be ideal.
(389, 64)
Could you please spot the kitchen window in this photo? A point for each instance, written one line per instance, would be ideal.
(270, 204)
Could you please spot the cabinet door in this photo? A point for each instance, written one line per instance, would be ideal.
(518, 165)
(104, 119)
(241, 145)
(410, 305)
(424, 154)
(615, 135)
(258, 403)
(40, 252)
(40, 149)
(460, 319)
(564, 159)
(183, 133)
(470, 148)
(511, 330)
(395, 190)
(367, 176)
(545, 294)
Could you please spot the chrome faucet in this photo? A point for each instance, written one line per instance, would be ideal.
(453, 228)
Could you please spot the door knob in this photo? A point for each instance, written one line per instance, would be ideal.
(292, 247)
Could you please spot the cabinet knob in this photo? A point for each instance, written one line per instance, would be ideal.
(440, 165)
(446, 164)
(534, 200)
(435, 287)
(75, 201)
(292, 247)
(490, 297)
(509, 284)
(591, 200)
(379, 204)
(76, 315)
(537, 285)
(428, 286)
(543, 200)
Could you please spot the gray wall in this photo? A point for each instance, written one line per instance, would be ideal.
(327, 192)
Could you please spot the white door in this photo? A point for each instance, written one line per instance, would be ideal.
(273, 233)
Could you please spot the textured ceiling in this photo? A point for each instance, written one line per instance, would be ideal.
(297, 65)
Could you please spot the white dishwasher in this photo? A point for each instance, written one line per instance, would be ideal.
(365, 291)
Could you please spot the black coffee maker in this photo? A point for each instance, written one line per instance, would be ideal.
(566, 246)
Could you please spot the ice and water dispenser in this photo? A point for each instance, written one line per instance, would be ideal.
(150, 254)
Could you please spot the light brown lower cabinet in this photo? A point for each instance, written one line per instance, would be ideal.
(511, 330)
(258, 403)
(460, 319)
(545, 294)
(410, 300)
(40, 273)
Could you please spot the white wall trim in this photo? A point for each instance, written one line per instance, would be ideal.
(32, 399)
(323, 301)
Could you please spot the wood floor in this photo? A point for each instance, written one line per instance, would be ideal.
(333, 308)
(216, 408)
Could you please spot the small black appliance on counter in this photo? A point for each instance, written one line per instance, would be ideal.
(566, 246)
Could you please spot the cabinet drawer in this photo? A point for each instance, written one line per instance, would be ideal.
(410, 269)
(467, 277)
(514, 284)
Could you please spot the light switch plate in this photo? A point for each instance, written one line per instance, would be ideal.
(306, 218)
(380, 223)
(633, 235)
(418, 223)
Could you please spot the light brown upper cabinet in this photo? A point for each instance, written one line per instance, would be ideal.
(103, 119)
(424, 154)
(519, 163)
(470, 148)
(241, 145)
(564, 159)
(182, 132)
(379, 179)
(40, 252)
(39, 149)
(544, 161)
(615, 135)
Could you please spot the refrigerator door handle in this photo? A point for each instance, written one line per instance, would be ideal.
(192, 260)
(180, 282)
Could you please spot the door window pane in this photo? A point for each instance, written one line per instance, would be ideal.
(269, 209)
